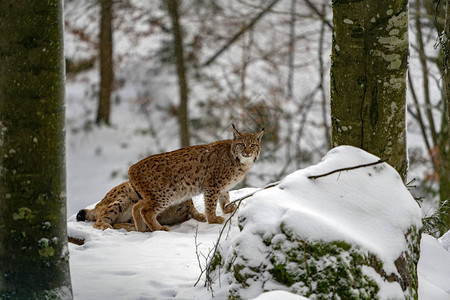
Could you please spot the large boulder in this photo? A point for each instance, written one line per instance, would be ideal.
(347, 235)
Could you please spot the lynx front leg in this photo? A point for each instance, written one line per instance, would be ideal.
(193, 212)
(126, 226)
(100, 224)
(105, 220)
(149, 210)
(211, 198)
(138, 221)
(224, 199)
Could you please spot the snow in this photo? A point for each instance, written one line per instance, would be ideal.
(368, 206)
(115, 264)
(433, 270)
(445, 241)
(278, 295)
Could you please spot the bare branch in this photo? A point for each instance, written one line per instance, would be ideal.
(208, 270)
(198, 256)
(423, 62)
(420, 120)
(240, 32)
(319, 13)
(347, 169)
(269, 185)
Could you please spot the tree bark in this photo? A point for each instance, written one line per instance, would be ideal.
(444, 176)
(34, 258)
(106, 62)
(181, 71)
(446, 57)
(368, 77)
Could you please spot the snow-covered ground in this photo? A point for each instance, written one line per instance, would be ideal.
(115, 264)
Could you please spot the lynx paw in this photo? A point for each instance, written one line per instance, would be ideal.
(102, 226)
(126, 226)
(229, 208)
(199, 217)
(216, 220)
(164, 228)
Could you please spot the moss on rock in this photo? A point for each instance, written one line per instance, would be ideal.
(317, 269)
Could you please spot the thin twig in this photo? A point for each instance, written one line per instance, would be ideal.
(198, 256)
(347, 169)
(269, 185)
(208, 280)
(321, 14)
(240, 32)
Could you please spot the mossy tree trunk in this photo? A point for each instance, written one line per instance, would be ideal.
(368, 77)
(446, 56)
(106, 62)
(183, 118)
(33, 236)
(444, 176)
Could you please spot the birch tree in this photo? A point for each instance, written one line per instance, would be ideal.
(368, 72)
(34, 260)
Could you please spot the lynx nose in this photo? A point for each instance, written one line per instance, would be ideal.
(247, 152)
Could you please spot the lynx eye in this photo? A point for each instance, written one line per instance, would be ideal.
(240, 145)
(253, 145)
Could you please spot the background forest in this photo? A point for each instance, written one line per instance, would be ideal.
(144, 77)
(252, 63)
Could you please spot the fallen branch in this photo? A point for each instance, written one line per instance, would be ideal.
(347, 169)
(74, 240)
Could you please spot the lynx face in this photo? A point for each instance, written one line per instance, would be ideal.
(246, 146)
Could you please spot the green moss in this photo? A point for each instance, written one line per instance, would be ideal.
(312, 268)
(321, 270)
(281, 274)
(217, 261)
(325, 269)
(240, 276)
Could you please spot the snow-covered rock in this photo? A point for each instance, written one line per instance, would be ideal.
(351, 233)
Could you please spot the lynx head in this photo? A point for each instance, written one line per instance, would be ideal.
(246, 146)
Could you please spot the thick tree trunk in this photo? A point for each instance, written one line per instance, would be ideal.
(181, 71)
(34, 258)
(444, 176)
(368, 77)
(446, 56)
(106, 62)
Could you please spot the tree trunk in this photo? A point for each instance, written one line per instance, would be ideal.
(446, 57)
(106, 62)
(181, 71)
(34, 258)
(444, 176)
(291, 54)
(368, 72)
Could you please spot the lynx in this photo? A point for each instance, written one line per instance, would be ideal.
(173, 177)
(114, 211)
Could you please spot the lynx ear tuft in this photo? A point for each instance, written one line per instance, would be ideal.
(236, 133)
(260, 134)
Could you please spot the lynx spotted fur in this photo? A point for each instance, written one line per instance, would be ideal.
(173, 177)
